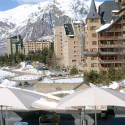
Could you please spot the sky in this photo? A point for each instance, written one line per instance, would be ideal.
(9, 4)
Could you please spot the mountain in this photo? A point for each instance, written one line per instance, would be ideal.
(35, 21)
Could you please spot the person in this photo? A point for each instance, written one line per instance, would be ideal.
(43, 118)
(20, 84)
(54, 118)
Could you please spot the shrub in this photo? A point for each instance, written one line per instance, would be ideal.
(74, 71)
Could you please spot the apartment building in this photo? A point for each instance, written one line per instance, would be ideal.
(68, 45)
(15, 45)
(34, 46)
(105, 36)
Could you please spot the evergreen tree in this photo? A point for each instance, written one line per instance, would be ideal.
(74, 71)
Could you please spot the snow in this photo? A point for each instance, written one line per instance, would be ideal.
(62, 92)
(103, 27)
(122, 91)
(43, 103)
(4, 74)
(30, 69)
(122, 83)
(115, 11)
(92, 85)
(113, 85)
(26, 77)
(76, 22)
(9, 83)
(21, 14)
(67, 80)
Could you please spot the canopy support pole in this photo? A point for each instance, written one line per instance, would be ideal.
(80, 115)
(2, 118)
(6, 116)
(95, 116)
(84, 121)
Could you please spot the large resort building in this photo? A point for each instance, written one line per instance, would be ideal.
(68, 45)
(103, 45)
(105, 36)
(35, 46)
(15, 45)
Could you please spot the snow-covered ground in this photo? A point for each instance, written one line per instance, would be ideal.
(62, 92)
(26, 77)
(67, 80)
(113, 85)
(30, 69)
(9, 83)
(4, 74)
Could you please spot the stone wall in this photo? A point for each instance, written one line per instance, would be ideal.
(53, 87)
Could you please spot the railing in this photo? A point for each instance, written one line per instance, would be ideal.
(111, 37)
(111, 45)
(113, 60)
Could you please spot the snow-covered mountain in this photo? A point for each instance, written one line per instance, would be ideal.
(35, 21)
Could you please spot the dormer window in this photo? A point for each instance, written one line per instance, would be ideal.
(93, 20)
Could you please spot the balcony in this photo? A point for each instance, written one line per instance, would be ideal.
(112, 61)
(112, 45)
(112, 38)
(90, 53)
(116, 30)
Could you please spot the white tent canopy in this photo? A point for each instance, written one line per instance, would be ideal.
(93, 97)
(18, 98)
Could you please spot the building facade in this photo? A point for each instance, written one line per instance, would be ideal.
(34, 46)
(93, 22)
(68, 45)
(105, 36)
(15, 45)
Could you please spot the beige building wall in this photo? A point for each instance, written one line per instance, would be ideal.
(28, 46)
(59, 44)
(67, 47)
(92, 61)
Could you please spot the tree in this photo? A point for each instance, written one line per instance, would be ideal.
(74, 71)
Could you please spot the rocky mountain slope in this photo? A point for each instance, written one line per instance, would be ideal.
(35, 21)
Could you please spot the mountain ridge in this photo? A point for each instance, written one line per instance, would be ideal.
(35, 21)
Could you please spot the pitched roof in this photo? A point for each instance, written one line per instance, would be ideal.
(93, 12)
(110, 25)
(106, 9)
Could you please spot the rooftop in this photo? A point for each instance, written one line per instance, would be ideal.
(93, 12)
(69, 29)
(106, 9)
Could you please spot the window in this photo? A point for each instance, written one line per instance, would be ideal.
(74, 51)
(73, 60)
(108, 42)
(74, 55)
(94, 64)
(93, 58)
(74, 46)
(93, 20)
(94, 50)
(93, 34)
(92, 27)
(74, 42)
(94, 42)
